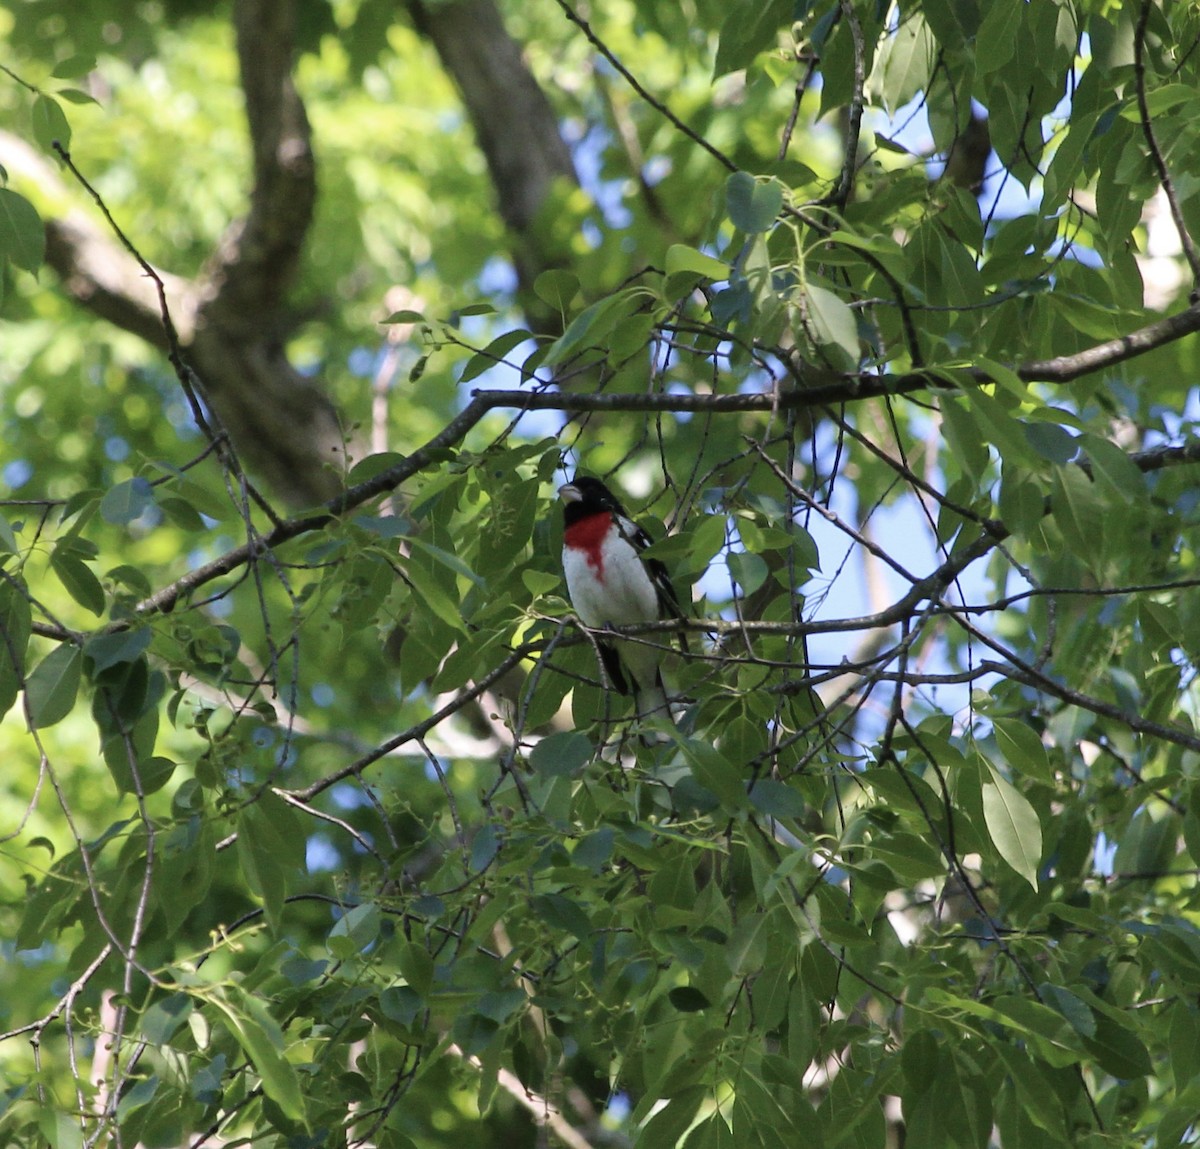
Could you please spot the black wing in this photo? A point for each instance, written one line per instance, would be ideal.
(668, 601)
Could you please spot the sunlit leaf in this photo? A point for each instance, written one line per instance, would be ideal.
(262, 1041)
(681, 258)
(833, 326)
(1013, 825)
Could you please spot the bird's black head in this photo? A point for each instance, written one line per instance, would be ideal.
(584, 496)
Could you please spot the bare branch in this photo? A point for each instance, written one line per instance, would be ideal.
(257, 260)
(662, 109)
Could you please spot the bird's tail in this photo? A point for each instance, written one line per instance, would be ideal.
(652, 703)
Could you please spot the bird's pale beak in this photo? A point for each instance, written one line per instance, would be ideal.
(569, 493)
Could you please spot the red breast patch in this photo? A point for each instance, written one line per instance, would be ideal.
(588, 536)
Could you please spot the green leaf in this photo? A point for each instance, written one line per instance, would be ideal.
(1005, 378)
(1119, 1050)
(749, 571)
(127, 501)
(416, 967)
(1162, 100)
(752, 206)
(1068, 159)
(1013, 825)
(833, 326)
(80, 581)
(563, 913)
(747, 30)
(557, 287)
(1055, 444)
(589, 328)
(674, 885)
(998, 37)
(690, 552)
(716, 773)
(50, 123)
(1183, 1042)
(681, 258)
(354, 931)
(270, 847)
(905, 62)
(688, 999)
(450, 562)
(1080, 515)
(1113, 468)
(155, 772)
(1076, 1011)
(16, 625)
(433, 598)
(511, 516)
(405, 316)
(105, 650)
(1000, 429)
(1094, 319)
(76, 96)
(262, 1041)
(562, 754)
(1035, 1089)
(22, 233)
(400, 1003)
(73, 67)
(493, 354)
(539, 583)
(164, 1017)
(1023, 749)
(53, 685)
(777, 799)
(471, 309)
(964, 436)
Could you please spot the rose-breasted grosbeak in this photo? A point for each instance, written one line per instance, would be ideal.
(611, 584)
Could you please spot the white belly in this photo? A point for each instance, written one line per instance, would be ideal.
(627, 595)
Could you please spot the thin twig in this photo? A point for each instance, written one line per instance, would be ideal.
(1156, 155)
(636, 85)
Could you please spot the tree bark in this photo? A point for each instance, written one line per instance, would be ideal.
(282, 422)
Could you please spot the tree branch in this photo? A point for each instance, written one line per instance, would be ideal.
(643, 94)
(483, 402)
(282, 422)
(232, 321)
(257, 259)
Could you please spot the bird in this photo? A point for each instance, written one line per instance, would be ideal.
(611, 583)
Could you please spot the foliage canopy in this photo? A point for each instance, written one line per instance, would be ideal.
(319, 827)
